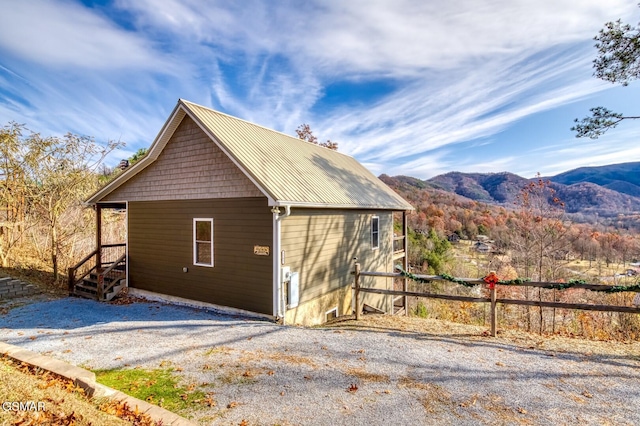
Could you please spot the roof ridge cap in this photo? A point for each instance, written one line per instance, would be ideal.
(184, 102)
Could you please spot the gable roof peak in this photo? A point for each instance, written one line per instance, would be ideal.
(288, 170)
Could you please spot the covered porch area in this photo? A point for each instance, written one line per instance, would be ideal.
(102, 273)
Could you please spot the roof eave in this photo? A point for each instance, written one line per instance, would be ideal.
(298, 204)
(97, 196)
(152, 154)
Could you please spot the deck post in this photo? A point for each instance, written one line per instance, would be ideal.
(492, 290)
(100, 287)
(405, 261)
(98, 237)
(357, 290)
(71, 277)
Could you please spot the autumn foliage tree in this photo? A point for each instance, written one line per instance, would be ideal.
(12, 190)
(540, 231)
(305, 133)
(43, 183)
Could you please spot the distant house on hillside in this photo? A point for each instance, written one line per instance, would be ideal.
(453, 238)
(226, 212)
(483, 247)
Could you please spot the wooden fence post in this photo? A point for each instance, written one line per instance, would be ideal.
(492, 290)
(405, 261)
(357, 290)
(98, 237)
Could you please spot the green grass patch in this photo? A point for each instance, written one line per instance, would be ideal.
(421, 310)
(159, 387)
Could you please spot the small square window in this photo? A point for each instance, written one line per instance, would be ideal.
(331, 315)
(203, 242)
(375, 232)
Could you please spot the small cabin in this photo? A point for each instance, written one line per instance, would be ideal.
(483, 247)
(226, 213)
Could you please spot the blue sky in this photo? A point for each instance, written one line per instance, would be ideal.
(407, 87)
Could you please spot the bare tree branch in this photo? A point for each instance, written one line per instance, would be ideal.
(601, 120)
(618, 61)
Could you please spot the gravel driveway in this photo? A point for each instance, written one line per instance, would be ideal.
(268, 374)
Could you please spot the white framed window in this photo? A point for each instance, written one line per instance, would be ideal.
(375, 232)
(203, 242)
(332, 314)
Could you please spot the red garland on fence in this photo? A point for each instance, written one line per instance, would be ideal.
(491, 279)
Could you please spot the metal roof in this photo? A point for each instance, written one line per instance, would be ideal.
(286, 169)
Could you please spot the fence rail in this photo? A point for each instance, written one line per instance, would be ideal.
(492, 299)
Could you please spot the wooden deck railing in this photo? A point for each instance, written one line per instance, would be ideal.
(492, 294)
(112, 252)
(398, 244)
(111, 255)
(113, 274)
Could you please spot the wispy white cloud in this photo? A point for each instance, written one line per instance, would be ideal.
(399, 37)
(462, 71)
(467, 106)
(67, 68)
(66, 34)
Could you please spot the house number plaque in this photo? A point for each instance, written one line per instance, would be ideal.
(261, 250)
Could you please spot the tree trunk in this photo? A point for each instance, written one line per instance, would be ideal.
(54, 252)
(4, 258)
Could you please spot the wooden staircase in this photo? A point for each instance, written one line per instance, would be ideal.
(111, 285)
(100, 281)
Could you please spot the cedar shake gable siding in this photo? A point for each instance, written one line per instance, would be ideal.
(191, 166)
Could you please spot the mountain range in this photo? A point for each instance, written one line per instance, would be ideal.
(607, 191)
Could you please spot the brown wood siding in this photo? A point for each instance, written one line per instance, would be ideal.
(191, 166)
(321, 245)
(161, 244)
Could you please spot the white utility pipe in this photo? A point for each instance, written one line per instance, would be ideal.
(278, 296)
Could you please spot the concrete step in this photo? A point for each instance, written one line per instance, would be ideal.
(114, 292)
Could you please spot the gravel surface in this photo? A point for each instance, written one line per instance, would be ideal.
(267, 374)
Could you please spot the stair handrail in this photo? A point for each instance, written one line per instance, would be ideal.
(101, 289)
(71, 276)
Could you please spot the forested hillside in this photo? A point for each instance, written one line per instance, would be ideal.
(448, 213)
(531, 238)
(589, 193)
(624, 178)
